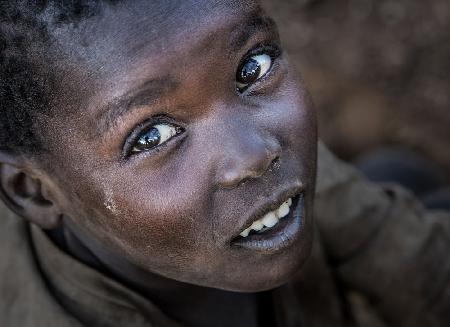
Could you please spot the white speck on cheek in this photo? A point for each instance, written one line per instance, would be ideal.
(109, 201)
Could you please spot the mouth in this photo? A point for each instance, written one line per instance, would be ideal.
(276, 229)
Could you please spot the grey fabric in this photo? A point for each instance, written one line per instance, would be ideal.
(385, 246)
(378, 258)
(25, 299)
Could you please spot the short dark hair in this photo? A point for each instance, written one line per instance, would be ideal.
(26, 82)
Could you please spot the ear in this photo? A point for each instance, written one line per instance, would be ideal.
(25, 194)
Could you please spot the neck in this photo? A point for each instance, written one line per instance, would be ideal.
(189, 304)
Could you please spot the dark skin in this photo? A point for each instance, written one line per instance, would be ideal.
(163, 219)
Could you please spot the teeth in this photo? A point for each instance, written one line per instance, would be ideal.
(270, 219)
(283, 210)
(245, 232)
(257, 225)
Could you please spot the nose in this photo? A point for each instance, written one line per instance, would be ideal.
(245, 156)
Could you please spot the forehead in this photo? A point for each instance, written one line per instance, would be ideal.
(128, 29)
(130, 42)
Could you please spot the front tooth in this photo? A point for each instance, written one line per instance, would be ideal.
(283, 210)
(245, 232)
(257, 225)
(269, 220)
(289, 202)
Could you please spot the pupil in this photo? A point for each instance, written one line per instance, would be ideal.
(249, 72)
(149, 139)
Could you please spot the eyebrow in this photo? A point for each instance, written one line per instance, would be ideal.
(146, 94)
(256, 23)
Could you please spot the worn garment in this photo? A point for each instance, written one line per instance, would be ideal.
(379, 259)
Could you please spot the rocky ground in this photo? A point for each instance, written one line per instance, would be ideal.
(379, 71)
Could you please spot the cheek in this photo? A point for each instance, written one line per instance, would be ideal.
(157, 217)
(301, 109)
(290, 104)
(291, 116)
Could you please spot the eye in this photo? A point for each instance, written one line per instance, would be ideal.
(155, 136)
(252, 69)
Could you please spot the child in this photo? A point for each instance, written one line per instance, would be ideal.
(165, 156)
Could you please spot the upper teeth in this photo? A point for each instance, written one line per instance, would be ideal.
(270, 219)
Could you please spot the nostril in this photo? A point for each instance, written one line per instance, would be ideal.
(251, 162)
(275, 164)
(235, 180)
(243, 181)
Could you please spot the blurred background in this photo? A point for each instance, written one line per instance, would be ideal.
(378, 70)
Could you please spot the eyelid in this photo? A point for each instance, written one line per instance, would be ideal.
(271, 48)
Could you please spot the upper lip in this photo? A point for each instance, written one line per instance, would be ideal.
(258, 211)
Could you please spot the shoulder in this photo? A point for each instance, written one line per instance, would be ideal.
(384, 244)
(332, 172)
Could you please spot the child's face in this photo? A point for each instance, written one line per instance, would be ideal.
(162, 162)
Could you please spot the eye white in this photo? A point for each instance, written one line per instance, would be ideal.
(166, 132)
(265, 61)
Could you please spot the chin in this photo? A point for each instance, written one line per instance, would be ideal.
(265, 282)
(273, 267)
(273, 272)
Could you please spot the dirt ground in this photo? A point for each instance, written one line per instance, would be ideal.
(378, 70)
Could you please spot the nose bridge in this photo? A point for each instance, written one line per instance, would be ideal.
(246, 154)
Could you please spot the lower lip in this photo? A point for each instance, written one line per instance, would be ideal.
(279, 237)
